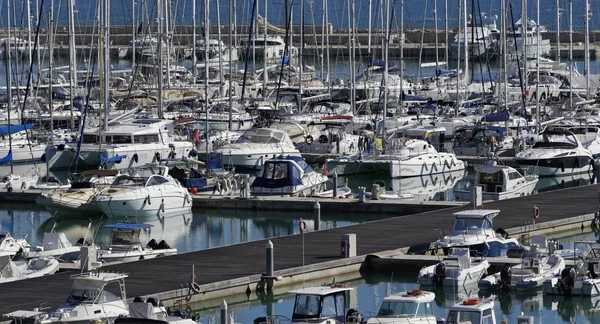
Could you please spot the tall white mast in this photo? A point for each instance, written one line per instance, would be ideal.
(29, 49)
(231, 27)
(300, 56)
(586, 50)
(106, 60)
(385, 71)
(194, 67)
(72, 59)
(133, 32)
(571, 55)
(537, 69)
(265, 74)
(558, 31)
(159, 53)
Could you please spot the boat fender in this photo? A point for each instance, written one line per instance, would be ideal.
(536, 212)
(157, 157)
(325, 170)
(302, 226)
(188, 199)
(148, 200)
(162, 206)
(135, 158)
(23, 185)
(309, 140)
(9, 188)
(43, 158)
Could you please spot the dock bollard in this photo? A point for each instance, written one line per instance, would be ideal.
(335, 175)
(361, 194)
(270, 263)
(224, 312)
(317, 215)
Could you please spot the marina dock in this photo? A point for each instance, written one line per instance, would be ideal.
(239, 268)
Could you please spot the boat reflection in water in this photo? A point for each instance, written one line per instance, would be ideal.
(565, 181)
(570, 308)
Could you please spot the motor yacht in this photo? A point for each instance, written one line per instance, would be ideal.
(90, 300)
(499, 182)
(122, 146)
(329, 137)
(149, 191)
(406, 307)
(557, 153)
(474, 229)
(523, 37)
(289, 175)
(255, 146)
(217, 51)
(274, 46)
(125, 245)
(457, 269)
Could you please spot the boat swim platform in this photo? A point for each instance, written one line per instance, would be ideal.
(238, 268)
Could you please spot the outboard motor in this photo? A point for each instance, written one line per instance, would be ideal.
(162, 245)
(354, 316)
(567, 280)
(151, 244)
(440, 274)
(505, 277)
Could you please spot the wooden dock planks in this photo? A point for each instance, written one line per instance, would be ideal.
(234, 261)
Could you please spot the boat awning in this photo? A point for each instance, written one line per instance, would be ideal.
(483, 168)
(14, 128)
(127, 226)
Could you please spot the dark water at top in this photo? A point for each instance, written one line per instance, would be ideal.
(415, 12)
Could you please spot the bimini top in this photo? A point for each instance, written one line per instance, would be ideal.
(282, 171)
(127, 226)
(320, 290)
(477, 213)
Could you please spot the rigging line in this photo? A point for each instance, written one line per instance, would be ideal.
(35, 45)
(288, 24)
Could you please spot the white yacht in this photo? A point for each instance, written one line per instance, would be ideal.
(410, 156)
(499, 182)
(218, 118)
(125, 244)
(90, 301)
(255, 146)
(329, 138)
(474, 229)
(525, 37)
(217, 50)
(557, 153)
(19, 270)
(273, 45)
(323, 304)
(536, 267)
(413, 306)
(122, 146)
(457, 269)
(582, 279)
(149, 191)
(481, 41)
(289, 175)
(79, 197)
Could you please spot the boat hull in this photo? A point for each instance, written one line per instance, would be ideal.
(145, 202)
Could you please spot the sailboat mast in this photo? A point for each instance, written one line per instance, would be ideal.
(327, 45)
(264, 73)
(446, 32)
(571, 55)
(72, 58)
(194, 67)
(206, 39)
(385, 71)
(106, 60)
(558, 31)
(133, 32)
(231, 27)
(437, 56)
(401, 101)
(29, 49)
(7, 57)
(51, 64)
(524, 31)
(300, 56)
(159, 52)
(586, 50)
(219, 44)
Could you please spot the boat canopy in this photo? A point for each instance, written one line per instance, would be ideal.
(14, 128)
(282, 171)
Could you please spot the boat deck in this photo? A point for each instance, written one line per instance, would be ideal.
(224, 264)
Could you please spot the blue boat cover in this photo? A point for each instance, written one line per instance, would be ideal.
(7, 159)
(14, 128)
(115, 159)
(496, 117)
(127, 226)
(443, 71)
(214, 161)
(195, 180)
(281, 172)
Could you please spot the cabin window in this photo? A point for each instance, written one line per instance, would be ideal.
(463, 224)
(81, 296)
(458, 317)
(153, 181)
(514, 175)
(268, 172)
(119, 139)
(487, 317)
(339, 303)
(280, 171)
(90, 139)
(328, 309)
(307, 305)
(142, 139)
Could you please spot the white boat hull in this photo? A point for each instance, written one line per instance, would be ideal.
(146, 201)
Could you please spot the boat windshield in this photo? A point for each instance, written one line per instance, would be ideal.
(261, 136)
(307, 305)
(125, 180)
(125, 237)
(469, 224)
(404, 309)
(472, 317)
(90, 296)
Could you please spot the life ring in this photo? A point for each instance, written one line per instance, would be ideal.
(536, 212)
(302, 226)
(309, 140)
(195, 287)
(471, 302)
(414, 292)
